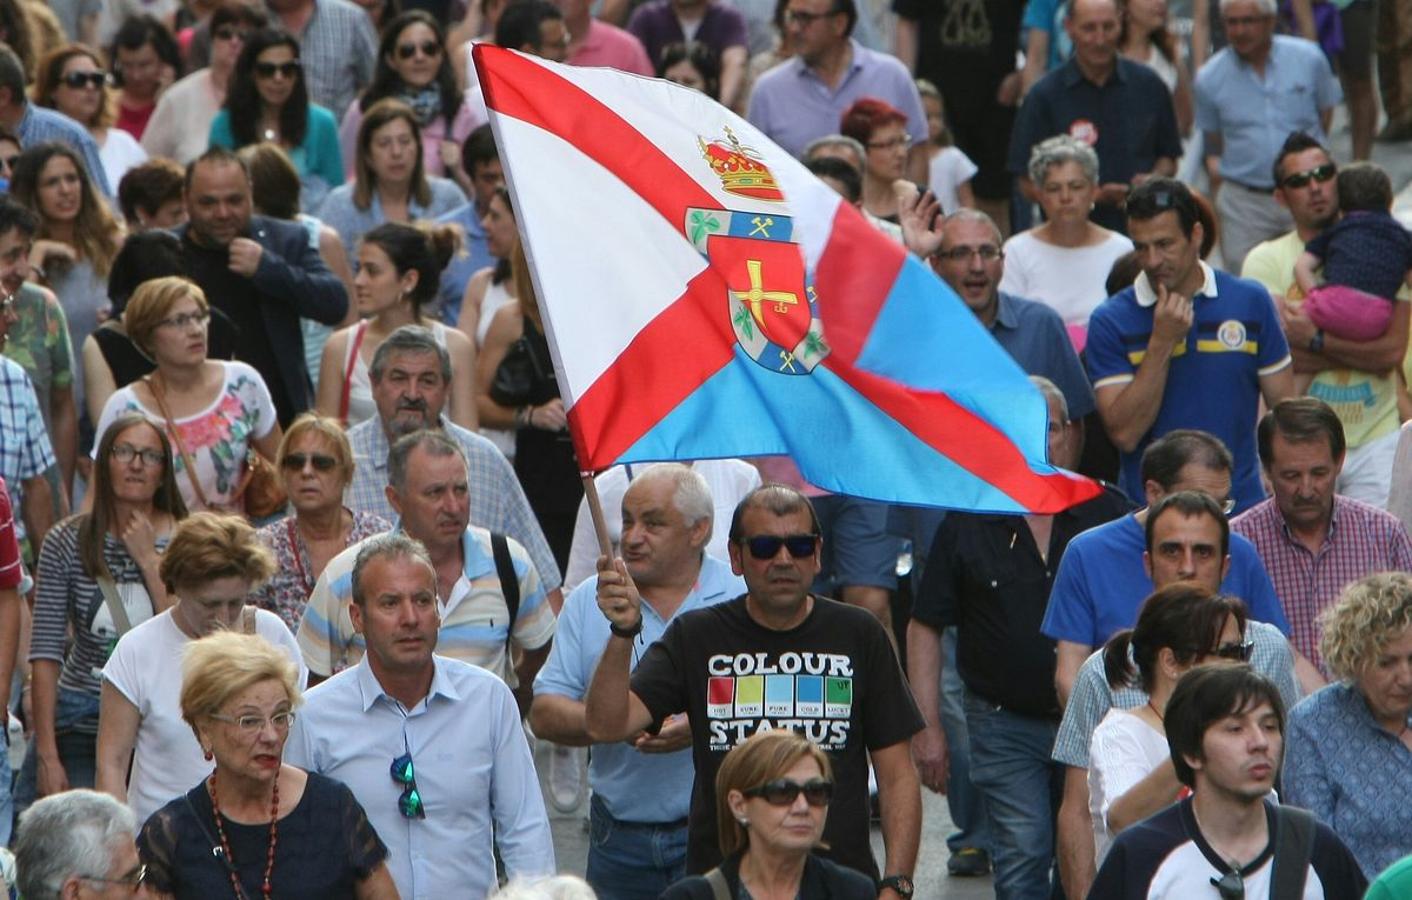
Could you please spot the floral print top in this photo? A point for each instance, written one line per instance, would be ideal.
(216, 438)
(287, 592)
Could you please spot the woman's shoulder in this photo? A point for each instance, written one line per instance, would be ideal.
(693, 887)
(321, 117)
(1328, 703)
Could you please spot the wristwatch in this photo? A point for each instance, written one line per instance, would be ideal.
(628, 633)
(1316, 343)
(899, 883)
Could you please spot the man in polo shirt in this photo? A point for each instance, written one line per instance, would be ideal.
(1314, 542)
(715, 24)
(667, 520)
(429, 490)
(1118, 107)
(593, 42)
(1185, 346)
(804, 98)
(1355, 378)
(1249, 96)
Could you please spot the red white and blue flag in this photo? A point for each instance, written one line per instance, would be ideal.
(705, 296)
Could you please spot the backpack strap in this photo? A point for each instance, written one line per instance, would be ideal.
(509, 581)
(720, 890)
(1294, 846)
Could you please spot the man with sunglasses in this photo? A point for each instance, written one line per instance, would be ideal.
(78, 844)
(1315, 542)
(1355, 378)
(432, 747)
(1225, 726)
(775, 657)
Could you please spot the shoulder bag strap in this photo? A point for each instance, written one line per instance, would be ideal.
(247, 619)
(116, 609)
(1294, 846)
(355, 344)
(509, 581)
(216, 849)
(719, 888)
(176, 438)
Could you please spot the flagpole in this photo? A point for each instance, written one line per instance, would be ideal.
(595, 510)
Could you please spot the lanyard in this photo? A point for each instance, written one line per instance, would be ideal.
(294, 552)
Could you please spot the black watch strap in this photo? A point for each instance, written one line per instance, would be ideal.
(628, 633)
(899, 883)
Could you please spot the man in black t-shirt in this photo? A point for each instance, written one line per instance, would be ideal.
(776, 657)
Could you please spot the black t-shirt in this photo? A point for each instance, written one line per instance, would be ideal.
(964, 46)
(834, 678)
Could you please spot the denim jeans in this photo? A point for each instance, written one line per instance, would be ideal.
(1010, 765)
(963, 801)
(77, 749)
(630, 860)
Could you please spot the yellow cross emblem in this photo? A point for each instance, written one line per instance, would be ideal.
(757, 293)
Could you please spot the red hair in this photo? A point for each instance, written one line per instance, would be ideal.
(866, 115)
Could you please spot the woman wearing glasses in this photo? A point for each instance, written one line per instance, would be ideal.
(772, 796)
(316, 464)
(268, 100)
(1130, 773)
(73, 81)
(414, 67)
(1348, 747)
(213, 411)
(255, 827)
(96, 579)
(210, 566)
(882, 130)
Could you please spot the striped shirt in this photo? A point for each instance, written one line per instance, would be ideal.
(475, 621)
(1362, 540)
(25, 451)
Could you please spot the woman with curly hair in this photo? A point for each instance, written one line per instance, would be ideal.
(73, 81)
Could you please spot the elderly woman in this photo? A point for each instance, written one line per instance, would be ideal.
(390, 182)
(772, 796)
(211, 565)
(317, 466)
(882, 129)
(96, 579)
(282, 831)
(1348, 748)
(73, 80)
(1064, 262)
(214, 412)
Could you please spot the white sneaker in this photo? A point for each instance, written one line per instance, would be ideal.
(565, 764)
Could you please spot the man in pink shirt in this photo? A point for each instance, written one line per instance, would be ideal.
(596, 43)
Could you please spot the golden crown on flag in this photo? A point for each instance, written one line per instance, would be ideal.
(740, 172)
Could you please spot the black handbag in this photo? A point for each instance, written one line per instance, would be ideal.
(519, 374)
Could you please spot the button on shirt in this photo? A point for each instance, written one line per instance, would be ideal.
(616, 771)
(473, 770)
(1362, 539)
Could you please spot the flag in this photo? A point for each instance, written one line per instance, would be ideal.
(705, 296)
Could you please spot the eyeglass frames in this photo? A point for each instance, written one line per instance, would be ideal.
(295, 461)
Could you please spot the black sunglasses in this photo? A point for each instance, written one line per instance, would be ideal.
(1230, 886)
(410, 803)
(294, 462)
(429, 49)
(1320, 174)
(767, 546)
(783, 792)
(228, 32)
(289, 69)
(80, 80)
(1239, 651)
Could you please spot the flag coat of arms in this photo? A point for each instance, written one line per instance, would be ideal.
(705, 296)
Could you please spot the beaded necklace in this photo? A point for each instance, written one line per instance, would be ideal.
(265, 888)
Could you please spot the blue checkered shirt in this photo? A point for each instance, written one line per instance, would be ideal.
(497, 501)
(40, 126)
(25, 450)
(338, 49)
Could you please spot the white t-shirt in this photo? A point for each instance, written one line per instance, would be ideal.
(949, 170)
(120, 152)
(1124, 749)
(1070, 280)
(146, 669)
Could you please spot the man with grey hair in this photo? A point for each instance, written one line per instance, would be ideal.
(78, 844)
(35, 125)
(411, 377)
(462, 773)
(489, 594)
(668, 516)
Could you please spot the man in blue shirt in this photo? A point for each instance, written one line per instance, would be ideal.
(667, 518)
(1185, 346)
(481, 160)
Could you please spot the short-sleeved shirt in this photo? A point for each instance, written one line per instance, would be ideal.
(1235, 339)
(617, 771)
(834, 678)
(1048, 16)
(1254, 115)
(793, 106)
(39, 341)
(1101, 584)
(25, 450)
(289, 588)
(656, 24)
(326, 846)
(475, 620)
(1369, 251)
(1034, 336)
(610, 46)
(1129, 121)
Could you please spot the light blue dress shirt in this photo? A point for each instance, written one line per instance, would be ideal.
(472, 766)
(617, 772)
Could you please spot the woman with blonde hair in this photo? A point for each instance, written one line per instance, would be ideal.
(211, 565)
(281, 831)
(73, 80)
(316, 463)
(214, 412)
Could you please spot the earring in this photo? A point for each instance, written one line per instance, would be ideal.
(744, 822)
(209, 755)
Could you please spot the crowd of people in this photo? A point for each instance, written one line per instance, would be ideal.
(299, 583)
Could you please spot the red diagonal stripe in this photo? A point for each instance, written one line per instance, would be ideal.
(853, 286)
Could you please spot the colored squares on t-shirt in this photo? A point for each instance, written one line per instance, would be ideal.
(720, 697)
(750, 696)
(779, 695)
(838, 698)
(808, 695)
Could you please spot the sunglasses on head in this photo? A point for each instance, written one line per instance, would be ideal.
(783, 792)
(80, 80)
(428, 48)
(286, 69)
(322, 463)
(1238, 651)
(1230, 886)
(1320, 174)
(767, 546)
(410, 803)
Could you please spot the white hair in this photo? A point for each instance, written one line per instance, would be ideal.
(1051, 391)
(555, 887)
(692, 495)
(73, 834)
(1266, 7)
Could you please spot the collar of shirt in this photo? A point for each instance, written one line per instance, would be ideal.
(1071, 75)
(855, 64)
(1146, 296)
(371, 690)
(1294, 541)
(1006, 314)
(379, 448)
(474, 564)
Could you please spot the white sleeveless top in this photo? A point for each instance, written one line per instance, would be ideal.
(496, 296)
(355, 369)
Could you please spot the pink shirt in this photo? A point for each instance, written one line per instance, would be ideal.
(608, 45)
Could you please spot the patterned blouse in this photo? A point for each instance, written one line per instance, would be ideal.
(288, 591)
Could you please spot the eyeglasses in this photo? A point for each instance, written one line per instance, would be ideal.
(805, 19)
(133, 879)
(410, 803)
(1230, 886)
(963, 253)
(294, 462)
(80, 80)
(289, 69)
(767, 546)
(124, 453)
(902, 140)
(783, 792)
(1238, 651)
(252, 724)
(430, 49)
(230, 32)
(1321, 174)
(185, 319)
